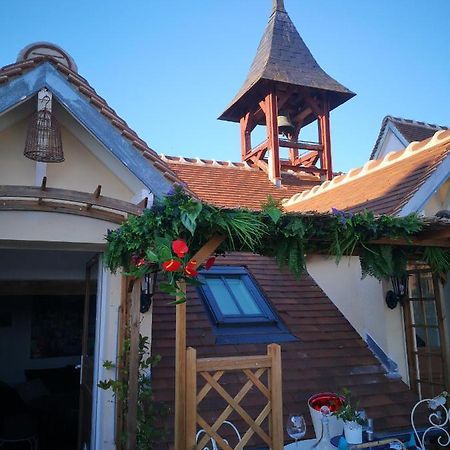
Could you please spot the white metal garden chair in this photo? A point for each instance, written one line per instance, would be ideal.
(212, 440)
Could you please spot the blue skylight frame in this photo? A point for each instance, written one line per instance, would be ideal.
(262, 327)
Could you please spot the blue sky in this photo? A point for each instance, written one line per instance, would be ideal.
(170, 67)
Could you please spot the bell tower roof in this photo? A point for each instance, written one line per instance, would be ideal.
(282, 57)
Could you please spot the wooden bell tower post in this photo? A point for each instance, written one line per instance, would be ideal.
(286, 90)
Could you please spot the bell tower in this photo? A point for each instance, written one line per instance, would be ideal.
(286, 90)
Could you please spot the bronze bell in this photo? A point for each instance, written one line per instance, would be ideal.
(285, 126)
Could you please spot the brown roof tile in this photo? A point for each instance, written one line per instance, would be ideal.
(230, 185)
(382, 186)
(416, 131)
(328, 356)
(411, 130)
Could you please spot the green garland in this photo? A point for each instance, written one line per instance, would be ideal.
(288, 237)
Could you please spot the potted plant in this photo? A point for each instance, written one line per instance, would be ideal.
(353, 422)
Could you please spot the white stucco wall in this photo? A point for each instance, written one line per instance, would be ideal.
(52, 227)
(81, 170)
(361, 301)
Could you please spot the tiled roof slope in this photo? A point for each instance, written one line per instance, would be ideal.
(383, 186)
(231, 185)
(11, 71)
(411, 130)
(328, 355)
(282, 56)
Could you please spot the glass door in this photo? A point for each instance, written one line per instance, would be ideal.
(424, 322)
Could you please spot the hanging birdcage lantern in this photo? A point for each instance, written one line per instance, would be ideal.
(44, 142)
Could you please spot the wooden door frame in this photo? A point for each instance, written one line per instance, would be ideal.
(442, 330)
(94, 260)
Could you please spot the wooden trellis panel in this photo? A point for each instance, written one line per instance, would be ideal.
(212, 371)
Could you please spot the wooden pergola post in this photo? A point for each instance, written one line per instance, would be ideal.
(180, 371)
(134, 293)
(180, 347)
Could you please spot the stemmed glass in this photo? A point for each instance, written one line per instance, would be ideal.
(296, 427)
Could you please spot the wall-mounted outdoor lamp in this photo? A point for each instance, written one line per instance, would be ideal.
(399, 291)
(148, 290)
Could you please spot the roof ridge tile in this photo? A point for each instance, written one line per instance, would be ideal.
(418, 123)
(441, 137)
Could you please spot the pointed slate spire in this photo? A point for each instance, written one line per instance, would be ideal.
(284, 58)
(278, 5)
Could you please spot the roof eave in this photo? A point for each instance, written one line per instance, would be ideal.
(235, 110)
(23, 87)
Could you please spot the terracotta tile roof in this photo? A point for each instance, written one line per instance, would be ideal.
(411, 130)
(328, 356)
(11, 71)
(228, 184)
(282, 56)
(383, 186)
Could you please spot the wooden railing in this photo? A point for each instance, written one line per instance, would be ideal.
(209, 372)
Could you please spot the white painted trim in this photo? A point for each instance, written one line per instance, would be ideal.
(393, 129)
(103, 423)
(428, 189)
(40, 172)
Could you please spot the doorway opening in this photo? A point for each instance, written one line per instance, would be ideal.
(48, 301)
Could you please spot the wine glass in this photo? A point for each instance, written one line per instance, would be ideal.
(296, 427)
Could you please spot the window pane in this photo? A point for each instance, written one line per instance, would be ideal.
(222, 296)
(413, 286)
(418, 317)
(433, 338)
(426, 283)
(421, 337)
(243, 296)
(431, 314)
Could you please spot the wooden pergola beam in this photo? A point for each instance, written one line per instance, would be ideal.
(66, 195)
(414, 242)
(62, 208)
(180, 347)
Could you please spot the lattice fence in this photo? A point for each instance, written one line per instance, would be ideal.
(208, 380)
